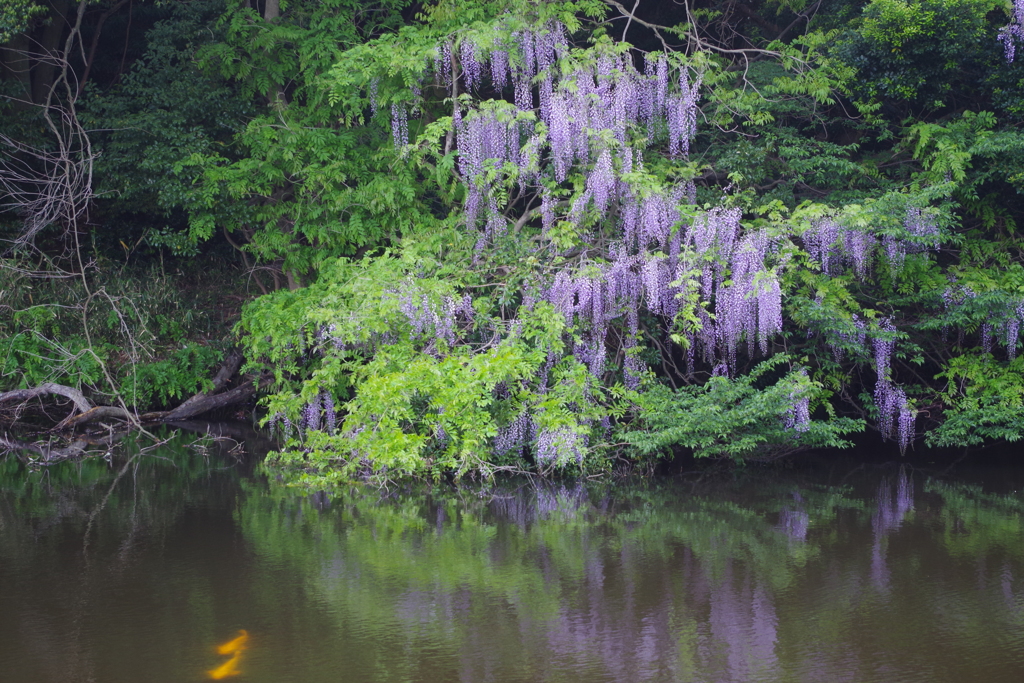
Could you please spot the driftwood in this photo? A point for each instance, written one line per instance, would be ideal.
(220, 380)
(217, 397)
(94, 414)
(46, 453)
(23, 395)
(51, 453)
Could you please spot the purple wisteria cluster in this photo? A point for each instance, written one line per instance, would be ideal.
(846, 334)
(427, 318)
(319, 414)
(563, 441)
(798, 417)
(489, 139)
(1014, 31)
(836, 248)
(514, 437)
(1003, 318)
(740, 294)
(399, 124)
(587, 111)
(1003, 327)
(924, 234)
(895, 415)
(286, 425)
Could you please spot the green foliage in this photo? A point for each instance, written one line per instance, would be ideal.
(136, 327)
(163, 110)
(743, 418)
(295, 187)
(415, 405)
(31, 358)
(15, 17)
(985, 400)
(167, 382)
(928, 54)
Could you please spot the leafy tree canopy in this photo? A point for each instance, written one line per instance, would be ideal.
(548, 235)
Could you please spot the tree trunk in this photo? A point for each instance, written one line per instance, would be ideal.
(271, 13)
(46, 67)
(272, 10)
(15, 66)
(97, 32)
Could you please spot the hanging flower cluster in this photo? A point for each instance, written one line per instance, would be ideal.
(1014, 31)
(743, 295)
(798, 417)
(895, 415)
(924, 233)
(1003, 319)
(553, 115)
(587, 111)
(836, 248)
(1005, 327)
(429, 319)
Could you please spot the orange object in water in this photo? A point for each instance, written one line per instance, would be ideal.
(236, 645)
(228, 668)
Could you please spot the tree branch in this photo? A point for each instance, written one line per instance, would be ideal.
(74, 395)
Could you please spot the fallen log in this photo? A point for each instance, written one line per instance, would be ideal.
(23, 395)
(205, 403)
(231, 365)
(94, 414)
(215, 398)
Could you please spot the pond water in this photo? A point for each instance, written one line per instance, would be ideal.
(137, 567)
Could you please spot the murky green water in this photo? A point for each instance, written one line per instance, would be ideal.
(135, 570)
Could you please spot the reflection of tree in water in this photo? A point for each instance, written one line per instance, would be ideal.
(569, 582)
(743, 626)
(561, 582)
(794, 522)
(83, 527)
(890, 511)
(524, 506)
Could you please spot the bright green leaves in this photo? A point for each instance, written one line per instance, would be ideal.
(171, 380)
(296, 187)
(894, 23)
(406, 406)
(946, 151)
(984, 400)
(746, 418)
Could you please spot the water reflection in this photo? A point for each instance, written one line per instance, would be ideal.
(890, 511)
(227, 669)
(764, 580)
(577, 583)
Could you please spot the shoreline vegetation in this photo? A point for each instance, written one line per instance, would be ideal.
(464, 238)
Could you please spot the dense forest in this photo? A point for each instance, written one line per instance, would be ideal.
(463, 237)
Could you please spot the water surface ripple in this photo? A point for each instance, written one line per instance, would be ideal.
(136, 571)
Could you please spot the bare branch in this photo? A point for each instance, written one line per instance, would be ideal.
(74, 395)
